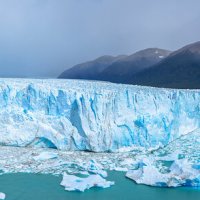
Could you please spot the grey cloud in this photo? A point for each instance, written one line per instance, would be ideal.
(44, 37)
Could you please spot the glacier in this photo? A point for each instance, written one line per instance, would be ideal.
(94, 116)
(90, 127)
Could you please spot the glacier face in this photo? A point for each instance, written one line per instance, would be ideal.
(93, 116)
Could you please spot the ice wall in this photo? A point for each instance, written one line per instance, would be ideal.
(94, 116)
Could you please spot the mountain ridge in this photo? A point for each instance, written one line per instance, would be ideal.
(109, 65)
(150, 67)
(181, 69)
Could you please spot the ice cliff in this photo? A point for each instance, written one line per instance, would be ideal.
(93, 116)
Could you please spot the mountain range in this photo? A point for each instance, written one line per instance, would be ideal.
(151, 67)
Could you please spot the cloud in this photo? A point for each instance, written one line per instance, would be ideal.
(44, 37)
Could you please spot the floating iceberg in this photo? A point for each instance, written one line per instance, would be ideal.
(181, 174)
(2, 196)
(177, 164)
(94, 116)
(75, 183)
(46, 155)
(96, 168)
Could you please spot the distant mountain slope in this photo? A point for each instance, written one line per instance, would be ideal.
(150, 67)
(116, 69)
(122, 70)
(90, 69)
(181, 69)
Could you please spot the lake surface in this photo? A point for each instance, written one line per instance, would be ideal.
(47, 187)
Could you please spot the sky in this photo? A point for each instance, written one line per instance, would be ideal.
(42, 38)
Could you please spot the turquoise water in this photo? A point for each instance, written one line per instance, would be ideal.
(46, 187)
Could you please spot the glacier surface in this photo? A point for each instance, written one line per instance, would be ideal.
(93, 116)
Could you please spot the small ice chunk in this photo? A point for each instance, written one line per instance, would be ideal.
(134, 174)
(75, 183)
(83, 172)
(148, 175)
(2, 196)
(96, 168)
(46, 156)
(121, 169)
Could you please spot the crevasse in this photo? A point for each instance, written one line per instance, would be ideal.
(93, 116)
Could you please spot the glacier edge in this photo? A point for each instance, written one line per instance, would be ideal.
(93, 116)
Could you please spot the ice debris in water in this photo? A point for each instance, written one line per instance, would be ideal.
(2, 196)
(96, 168)
(52, 161)
(75, 183)
(181, 173)
(175, 165)
(46, 155)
